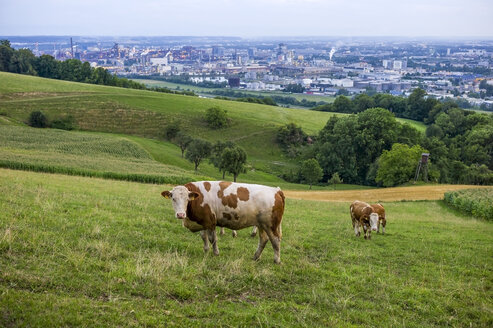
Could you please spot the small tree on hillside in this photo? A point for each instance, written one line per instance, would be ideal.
(182, 140)
(37, 120)
(335, 180)
(216, 158)
(311, 171)
(171, 130)
(198, 149)
(234, 159)
(216, 118)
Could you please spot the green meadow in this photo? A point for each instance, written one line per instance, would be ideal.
(78, 251)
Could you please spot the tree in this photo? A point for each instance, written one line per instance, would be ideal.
(363, 102)
(335, 180)
(216, 118)
(37, 120)
(198, 149)
(398, 165)
(290, 135)
(311, 171)
(216, 155)
(182, 140)
(294, 88)
(171, 130)
(343, 105)
(234, 159)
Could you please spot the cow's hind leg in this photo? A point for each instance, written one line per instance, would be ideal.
(356, 228)
(275, 240)
(254, 231)
(213, 239)
(222, 231)
(203, 234)
(262, 241)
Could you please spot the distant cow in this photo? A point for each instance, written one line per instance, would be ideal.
(378, 208)
(362, 215)
(204, 205)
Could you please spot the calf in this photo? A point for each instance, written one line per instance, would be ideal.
(378, 208)
(362, 215)
(204, 205)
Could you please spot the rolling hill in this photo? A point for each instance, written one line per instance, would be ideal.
(141, 116)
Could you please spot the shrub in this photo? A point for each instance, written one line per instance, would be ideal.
(37, 120)
(217, 118)
(64, 123)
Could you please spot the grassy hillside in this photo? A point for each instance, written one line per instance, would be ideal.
(145, 113)
(88, 252)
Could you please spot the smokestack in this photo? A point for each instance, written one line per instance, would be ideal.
(72, 47)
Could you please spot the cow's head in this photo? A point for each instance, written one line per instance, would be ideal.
(374, 221)
(180, 196)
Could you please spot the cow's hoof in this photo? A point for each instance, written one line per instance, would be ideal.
(235, 234)
(253, 234)
(277, 261)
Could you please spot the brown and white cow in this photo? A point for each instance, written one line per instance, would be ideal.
(378, 208)
(362, 215)
(204, 205)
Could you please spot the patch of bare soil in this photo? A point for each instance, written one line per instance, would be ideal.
(431, 192)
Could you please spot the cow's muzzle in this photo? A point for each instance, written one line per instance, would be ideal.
(181, 215)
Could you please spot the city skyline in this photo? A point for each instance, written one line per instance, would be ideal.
(254, 18)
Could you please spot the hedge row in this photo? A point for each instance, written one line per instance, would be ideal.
(478, 202)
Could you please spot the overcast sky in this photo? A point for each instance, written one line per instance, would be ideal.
(248, 18)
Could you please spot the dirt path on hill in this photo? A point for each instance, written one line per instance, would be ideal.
(433, 192)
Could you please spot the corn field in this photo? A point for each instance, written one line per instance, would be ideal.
(478, 202)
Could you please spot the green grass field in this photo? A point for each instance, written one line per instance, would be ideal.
(78, 251)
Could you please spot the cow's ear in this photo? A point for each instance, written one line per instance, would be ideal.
(166, 194)
(192, 195)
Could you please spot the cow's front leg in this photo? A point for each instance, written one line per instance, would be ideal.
(203, 234)
(365, 230)
(383, 227)
(213, 240)
(378, 226)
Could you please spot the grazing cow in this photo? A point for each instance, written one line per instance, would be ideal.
(362, 215)
(204, 205)
(378, 208)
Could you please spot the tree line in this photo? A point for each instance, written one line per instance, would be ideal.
(373, 148)
(23, 61)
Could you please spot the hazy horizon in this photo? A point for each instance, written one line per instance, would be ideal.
(249, 19)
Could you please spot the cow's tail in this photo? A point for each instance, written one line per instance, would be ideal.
(279, 212)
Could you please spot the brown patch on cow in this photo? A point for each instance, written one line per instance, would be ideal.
(197, 213)
(230, 200)
(227, 216)
(243, 194)
(222, 185)
(277, 213)
(207, 186)
(237, 217)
